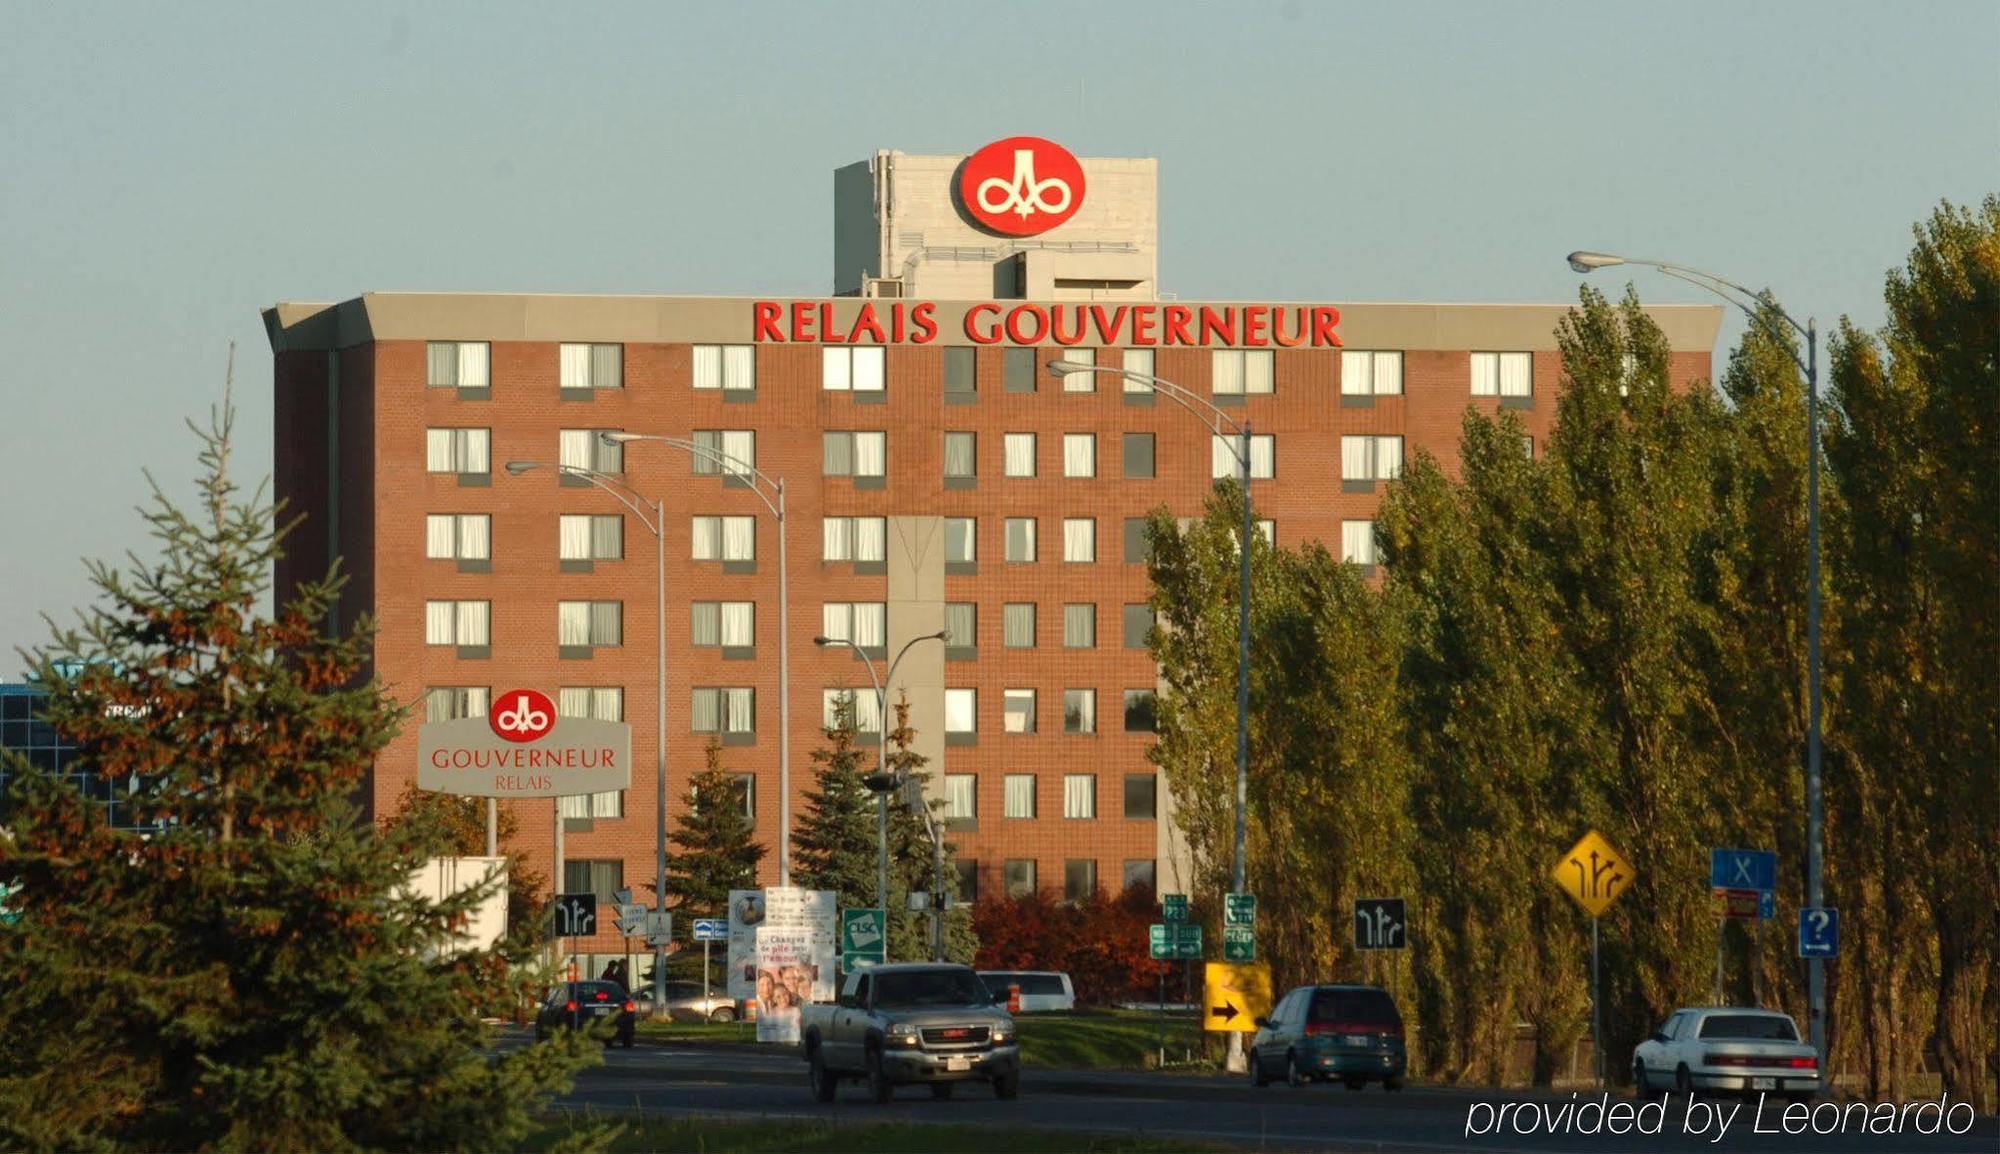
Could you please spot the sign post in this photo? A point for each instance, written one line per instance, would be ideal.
(1745, 883)
(1595, 875)
(1819, 933)
(708, 931)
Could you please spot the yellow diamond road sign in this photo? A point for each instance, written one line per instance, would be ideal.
(1233, 997)
(1594, 874)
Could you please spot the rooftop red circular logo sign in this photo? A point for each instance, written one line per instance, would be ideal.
(522, 715)
(1021, 186)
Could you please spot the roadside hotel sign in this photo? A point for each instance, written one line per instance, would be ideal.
(1021, 186)
(1137, 324)
(522, 749)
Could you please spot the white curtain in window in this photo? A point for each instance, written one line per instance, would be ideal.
(958, 455)
(1485, 374)
(1355, 377)
(960, 794)
(1355, 460)
(1516, 374)
(868, 374)
(574, 806)
(961, 711)
(739, 620)
(742, 714)
(1138, 361)
(961, 542)
(440, 619)
(1079, 539)
(1263, 456)
(1020, 539)
(871, 624)
(868, 711)
(1388, 374)
(1017, 712)
(1222, 457)
(739, 367)
(607, 537)
(573, 448)
(704, 624)
(1080, 795)
(607, 704)
(1080, 710)
(706, 539)
(1225, 368)
(573, 701)
(831, 702)
(871, 538)
(705, 714)
(871, 454)
(607, 626)
(1079, 455)
(438, 455)
(472, 619)
(739, 539)
(1019, 801)
(836, 620)
(1357, 542)
(440, 537)
(1020, 454)
(1080, 626)
(607, 368)
(835, 370)
(836, 538)
(708, 366)
(576, 366)
(441, 363)
(573, 623)
(1259, 374)
(473, 450)
(960, 624)
(741, 444)
(473, 536)
(472, 365)
(1080, 382)
(1388, 458)
(1017, 624)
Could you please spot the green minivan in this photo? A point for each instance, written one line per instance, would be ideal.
(1352, 1033)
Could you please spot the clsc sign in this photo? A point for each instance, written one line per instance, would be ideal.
(522, 749)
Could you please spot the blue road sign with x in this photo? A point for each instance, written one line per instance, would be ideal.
(1742, 869)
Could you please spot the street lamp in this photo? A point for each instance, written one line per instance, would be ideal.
(656, 524)
(1217, 421)
(882, 782)
(757, 482)
(1750, 303)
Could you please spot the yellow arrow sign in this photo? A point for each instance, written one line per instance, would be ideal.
(1594, 874)
(1233, 997)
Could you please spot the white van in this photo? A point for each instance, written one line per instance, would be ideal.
(1041, 990)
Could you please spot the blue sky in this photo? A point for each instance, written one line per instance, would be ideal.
(168, 170)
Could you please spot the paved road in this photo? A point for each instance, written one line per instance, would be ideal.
(735, 1083)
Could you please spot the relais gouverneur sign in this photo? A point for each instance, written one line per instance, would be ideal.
(522, 749)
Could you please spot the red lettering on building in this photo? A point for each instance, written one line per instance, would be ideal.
(973, 316)
(1064, 323)
(1018, 333)
(1174, 321)
(764, 317)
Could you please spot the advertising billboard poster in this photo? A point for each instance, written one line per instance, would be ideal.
(781, 952)
(784, 981)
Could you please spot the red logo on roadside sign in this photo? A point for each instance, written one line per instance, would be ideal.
(1021, 186)
(523, 715)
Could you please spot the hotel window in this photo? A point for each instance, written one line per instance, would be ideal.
(723, 538)
(458, 536)
(1528, 446)
(862, 707)
(1142, 795)
(961, 799)
(864, 623)
(1021, 539)
(1018, 795)
(968, 880)
(457, 364)
(1019, 459)
(596, 703)
(853, 538)
(855, 454)
(1240, 372)
(1138, 456)
(731, 368)
(602, 879)
(961, 370)
(584, 449)
(1079, 711)
(961, 541)
(1080, 626)
(1017, 367)
(1139, 873)
(588, 624)
(728, 712)
(1079, 879)
(1139, 712)
(961, 459)
(1138, 361)
(1365, 460)
(1138, 544)
(743, 788)
(1370, 374)
(856, 370)
(722, 624)
(1018, 711)
(1503, 374)
(466, 452)
(738, 443)
(1079, 540)
(1080, 382)
(593, 537)
(588, 367)
(460, 623)
(1018, 876)
(454, 702)
(1080, 796)
(1263, 456)
(1017, 625)
(1357, 542)
(1079, 454)
(961, 714)
(1138, 623)
(961, 625)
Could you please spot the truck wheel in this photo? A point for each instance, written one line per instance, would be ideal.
(879, 1087)
(941, 1090)
(822, 1080)
(1007, 1087)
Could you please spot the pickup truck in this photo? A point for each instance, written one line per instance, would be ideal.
(904, 1024)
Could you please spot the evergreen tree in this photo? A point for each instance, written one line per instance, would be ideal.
(253, 972)
(912, 861)
(715, 851)
(835, 843)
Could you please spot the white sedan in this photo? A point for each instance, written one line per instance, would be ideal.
(1725, 1048)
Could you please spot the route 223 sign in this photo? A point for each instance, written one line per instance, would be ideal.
(1021, 186)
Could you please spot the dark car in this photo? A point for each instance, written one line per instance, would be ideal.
(1325, 1032)
(579, 1005)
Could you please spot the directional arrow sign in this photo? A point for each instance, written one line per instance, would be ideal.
(1593, 873)
(1227, 1011)
(1233, 997)
(631, 918)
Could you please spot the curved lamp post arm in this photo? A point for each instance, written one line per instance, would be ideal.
(733, 465)
(648, 512)
(1748, 302)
